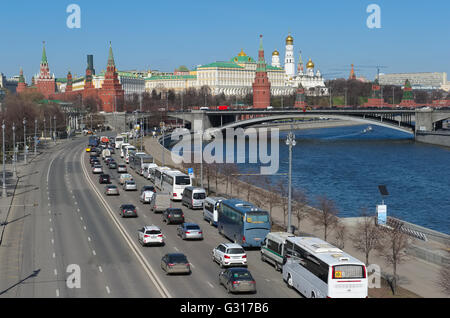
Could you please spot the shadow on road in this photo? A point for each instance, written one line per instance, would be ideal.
(34, 274)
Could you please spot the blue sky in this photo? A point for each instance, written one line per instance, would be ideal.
(162, 35)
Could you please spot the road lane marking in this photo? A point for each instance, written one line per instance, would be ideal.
(89, 239)
(56, 272)
(54, 255)
(210, 285)
(51, 229)
(93, 252)
(57, 293)
(176, 249)
(100, 269)
(53, 241)
(107, 290)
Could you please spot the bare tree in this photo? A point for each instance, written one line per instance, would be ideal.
(327, 217)
(340, 235)
(367, 235)
(394, 242)
(299, 202)
(270, 197)
(284, 199)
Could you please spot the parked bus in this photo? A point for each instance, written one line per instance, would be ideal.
(174, 182)
(140, 161)
(149, 171)
(158, 174)
(318, 269)
(119, 140)
(243, 222)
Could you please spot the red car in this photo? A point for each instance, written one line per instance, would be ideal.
(224, 107)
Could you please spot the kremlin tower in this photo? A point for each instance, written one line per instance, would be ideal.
(45, 83)
(261, 85)
(111, 93)
(300, 97)
(408, 97)
(69, 82)
(352, 74)
(21, 86)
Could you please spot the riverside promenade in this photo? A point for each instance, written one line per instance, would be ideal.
(417, 274)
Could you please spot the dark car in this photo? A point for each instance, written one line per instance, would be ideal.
(173, 215)
(93, 158)
(237, 279)
(104, 178)
(127, 210)
(108, 159)
(148, 188)
(175, 263)
(112, 164)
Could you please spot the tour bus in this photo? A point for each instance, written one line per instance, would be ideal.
(174, 182)
(273, 248)
(158, 174)
(128, 150)
(133, 157)
(140, 161)
(149, 171)
(243, 222)
(122, 149)
(211, 209)
(318, 269)
(119, 140)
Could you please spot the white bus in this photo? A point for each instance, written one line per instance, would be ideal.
(318, 269)
(119, 140)
(122, 149)
(128, 150)
(158, 175)
(174, 182)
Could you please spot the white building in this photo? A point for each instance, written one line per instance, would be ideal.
(426, 80)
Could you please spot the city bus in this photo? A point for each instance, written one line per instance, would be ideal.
(139, 161)
(317, 269)
(243, 222)
(174, 182)
(120, 139)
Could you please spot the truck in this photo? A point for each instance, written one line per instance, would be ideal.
(93, 141)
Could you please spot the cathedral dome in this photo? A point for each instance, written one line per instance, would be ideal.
(275, 53)
(289, 40)
(242, 53)
(310, 64)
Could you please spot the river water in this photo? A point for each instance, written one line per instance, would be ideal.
(347, 164)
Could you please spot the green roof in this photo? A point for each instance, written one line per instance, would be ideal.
(242, 59)
(221, 65)
(270, 67)
(170, 77)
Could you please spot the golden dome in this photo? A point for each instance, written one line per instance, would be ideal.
(310, 64)
(289, 40)
(242, 53)
(275, 53)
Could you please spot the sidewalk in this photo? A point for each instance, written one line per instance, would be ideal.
(416, 274)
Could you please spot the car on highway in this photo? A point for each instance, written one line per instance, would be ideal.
(95, 161)
(146, 196)
(229, 254)
(127, 210)
(121, 168)
(97, 169)
(88, 149)
(130, 185)
(112, 149)
(149, 235)
(92, 159)
(104, 178)
(190, 231)
(111, 189)
(237, 279)
(193, 197)
(108, 159)
(175, 263)
(125, 177)
(148, 188)
(173, 215)
(112, 164)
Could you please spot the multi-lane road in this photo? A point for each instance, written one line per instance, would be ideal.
(77, 227)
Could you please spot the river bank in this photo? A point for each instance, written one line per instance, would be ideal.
(313, 124)
(415, 275)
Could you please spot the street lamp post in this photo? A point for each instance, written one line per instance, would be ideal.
(54, 121)
(4, 193)
(163, 131)
(25, 140)
(201, 161)
(142, 134)
(50, 128)
(14, 151)
(35, 136)
(290, 141)
(44, 128)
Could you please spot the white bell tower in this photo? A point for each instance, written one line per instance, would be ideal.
(289, 60)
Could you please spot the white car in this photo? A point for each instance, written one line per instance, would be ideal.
(97, 169)
(130, 185)
(146, 196)
(125, 177)
(150, 234)
(229, 254)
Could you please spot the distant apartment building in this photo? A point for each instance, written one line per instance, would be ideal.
(9, 84)
(428, 80)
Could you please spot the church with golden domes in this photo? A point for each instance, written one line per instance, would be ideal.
(311, 80)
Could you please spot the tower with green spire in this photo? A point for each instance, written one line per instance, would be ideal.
(45, 83)
(261, 84)
(111, 94)
(408, 97)
(21, 86)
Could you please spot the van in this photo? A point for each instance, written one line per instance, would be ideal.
(211, 209)
(122, 149)
(193, 197)
(160, 202)
(273, 248)
(148, 171)
(128, 151)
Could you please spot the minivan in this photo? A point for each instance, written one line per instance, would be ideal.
(211, 209)
(160, 202)
(193, 197)
(273, 248)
